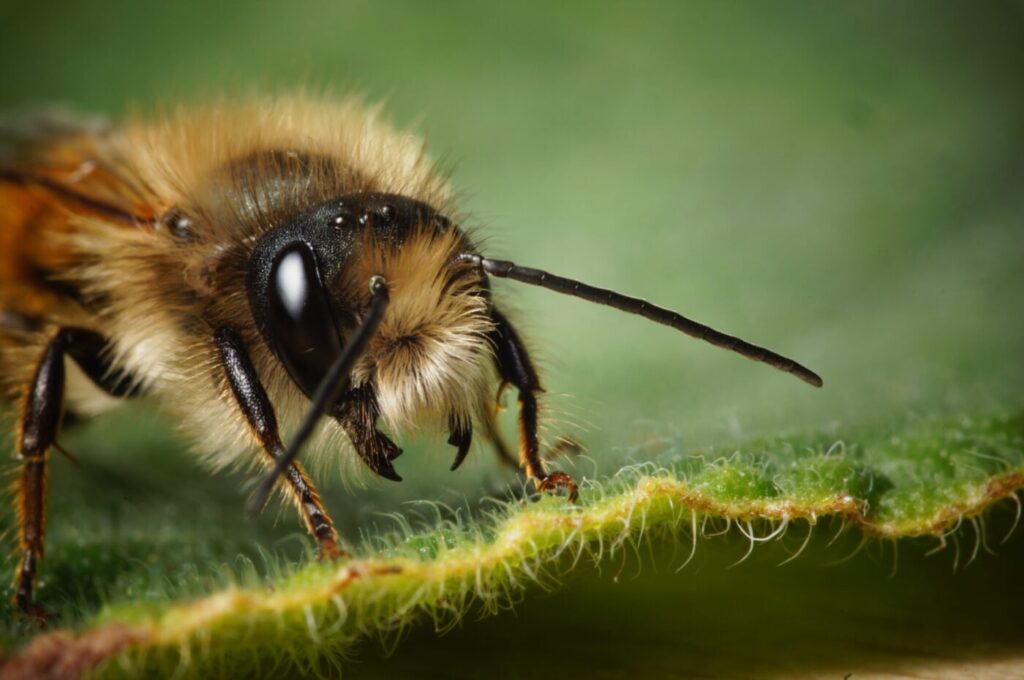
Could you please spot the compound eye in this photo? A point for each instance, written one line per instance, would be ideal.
(300, 321)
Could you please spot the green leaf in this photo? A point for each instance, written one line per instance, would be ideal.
(924, 479)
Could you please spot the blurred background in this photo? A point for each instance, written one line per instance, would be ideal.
(841, 182)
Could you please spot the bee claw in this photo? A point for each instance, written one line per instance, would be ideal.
(461, 437)
(554, 481)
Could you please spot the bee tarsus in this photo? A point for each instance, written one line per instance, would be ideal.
(555, 481)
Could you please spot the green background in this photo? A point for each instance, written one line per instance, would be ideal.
(840, 182)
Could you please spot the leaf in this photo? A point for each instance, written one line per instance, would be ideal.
(926, 478)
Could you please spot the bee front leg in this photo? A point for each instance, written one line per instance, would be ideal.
(516, 368)
(255, 406)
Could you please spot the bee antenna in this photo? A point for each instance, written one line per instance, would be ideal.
(632, 305)
(330, 388)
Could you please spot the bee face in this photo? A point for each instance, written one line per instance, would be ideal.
(307, 292)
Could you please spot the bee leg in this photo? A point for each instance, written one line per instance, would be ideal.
(516, 368)
(358, 417)
(255, 406)
(40, 417)
(37, 431)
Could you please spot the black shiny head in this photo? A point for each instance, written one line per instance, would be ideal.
(295, 268)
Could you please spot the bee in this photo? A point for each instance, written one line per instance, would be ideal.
(253, 267)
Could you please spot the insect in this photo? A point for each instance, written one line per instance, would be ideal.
(256, 267)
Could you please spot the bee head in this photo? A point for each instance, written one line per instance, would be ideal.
(307, 287)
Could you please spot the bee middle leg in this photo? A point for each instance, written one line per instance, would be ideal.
(516, 368)
(259, 413)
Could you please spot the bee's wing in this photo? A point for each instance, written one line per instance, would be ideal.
(72, 158)
(25, 136)
(54, 167)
